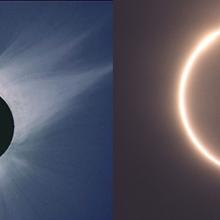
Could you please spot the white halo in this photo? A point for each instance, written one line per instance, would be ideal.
(200, 48)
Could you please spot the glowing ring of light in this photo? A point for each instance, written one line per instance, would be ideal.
(200, 48)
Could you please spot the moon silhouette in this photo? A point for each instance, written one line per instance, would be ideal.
(6, 126)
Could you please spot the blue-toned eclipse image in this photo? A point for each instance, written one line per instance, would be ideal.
(56, 110)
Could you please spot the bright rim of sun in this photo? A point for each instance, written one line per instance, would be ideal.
(187, 71)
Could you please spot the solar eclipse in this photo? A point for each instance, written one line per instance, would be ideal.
(6, 126)
(201, 48)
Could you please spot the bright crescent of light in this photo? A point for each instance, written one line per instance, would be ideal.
(200, 48)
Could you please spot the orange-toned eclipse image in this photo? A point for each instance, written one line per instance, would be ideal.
(200, 48)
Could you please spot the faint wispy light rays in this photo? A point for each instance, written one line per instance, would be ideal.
(42, 56)
(35, 102)
(28, 85)
(38, 89)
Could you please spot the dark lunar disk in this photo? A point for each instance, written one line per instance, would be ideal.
(6, 126)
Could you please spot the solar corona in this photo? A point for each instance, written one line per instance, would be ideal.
(200, 49)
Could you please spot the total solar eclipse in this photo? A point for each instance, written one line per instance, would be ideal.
(182, 107)
(6, 126)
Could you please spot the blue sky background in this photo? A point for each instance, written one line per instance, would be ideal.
(56, 75)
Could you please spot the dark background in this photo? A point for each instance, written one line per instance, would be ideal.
(158, 174)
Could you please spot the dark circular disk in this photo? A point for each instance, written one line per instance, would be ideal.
(6, 126)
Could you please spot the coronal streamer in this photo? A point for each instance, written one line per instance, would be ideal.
(46, 74)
